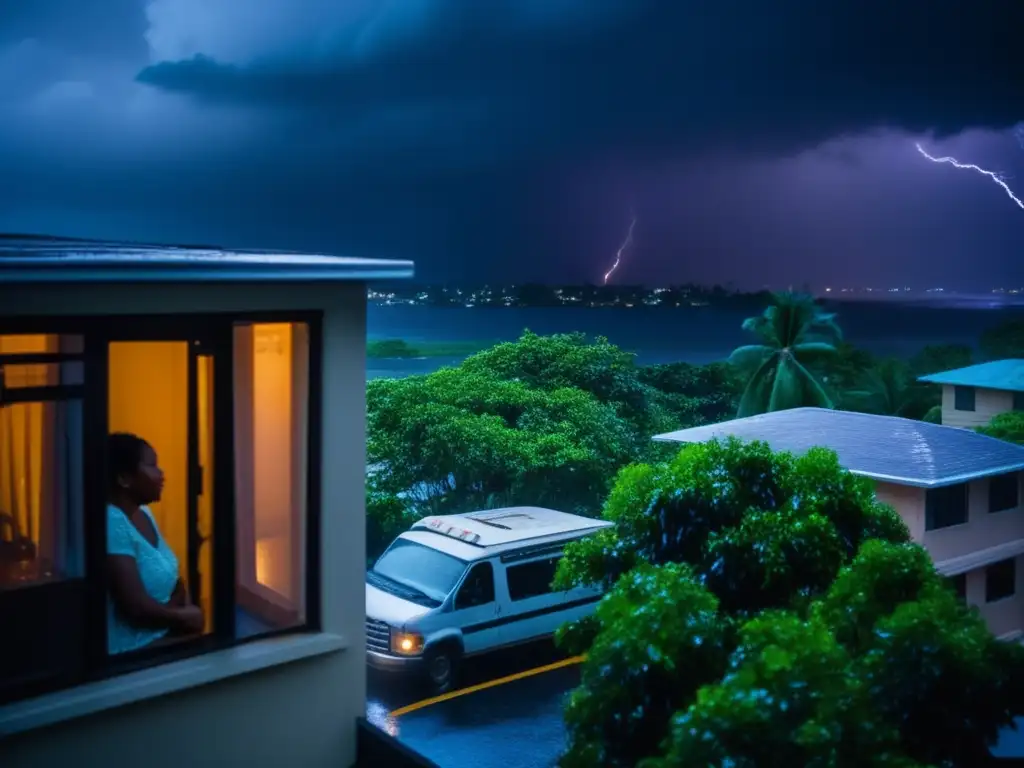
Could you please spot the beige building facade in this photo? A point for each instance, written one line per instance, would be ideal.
(959, 492)
(258, 416)
(972, 396)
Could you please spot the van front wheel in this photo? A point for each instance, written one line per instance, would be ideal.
(441, 666)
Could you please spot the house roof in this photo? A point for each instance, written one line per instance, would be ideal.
(43, 259)
(886, 448)
(1006, 375)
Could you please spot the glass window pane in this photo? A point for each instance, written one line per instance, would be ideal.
(41, 536)
(271, 388)
(21, 375)
(41, 343)
(150, 386)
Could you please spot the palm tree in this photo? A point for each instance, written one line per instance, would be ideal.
(793, 331)
(887, 389)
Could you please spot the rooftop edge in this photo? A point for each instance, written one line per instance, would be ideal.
(40, 259)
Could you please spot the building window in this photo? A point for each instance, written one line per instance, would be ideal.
(271, 371)
(1000, 580)
(958, 584)
(531, 579)
(42, 530)
(1018, 401)
(231, 512)
(945, 507)
(1003, 492)
(963, 398)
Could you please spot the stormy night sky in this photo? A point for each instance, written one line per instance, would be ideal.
(508, 139)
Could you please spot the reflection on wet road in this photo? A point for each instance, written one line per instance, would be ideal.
(517, 723)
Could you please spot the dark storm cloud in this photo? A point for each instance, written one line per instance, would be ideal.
(655, 75)
(507, 139)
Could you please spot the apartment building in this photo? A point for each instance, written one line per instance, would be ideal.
(971, 396)
(959, 492)
(245, 373)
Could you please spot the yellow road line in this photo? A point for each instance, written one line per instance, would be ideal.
(489, 684)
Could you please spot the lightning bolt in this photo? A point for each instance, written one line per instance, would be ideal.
(998, 178)
(622, 248)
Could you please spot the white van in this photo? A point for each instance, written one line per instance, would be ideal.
(459, 585)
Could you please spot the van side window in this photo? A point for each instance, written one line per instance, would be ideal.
(478, 588)
(531, 579)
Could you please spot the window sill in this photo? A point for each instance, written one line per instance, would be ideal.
(164, 679)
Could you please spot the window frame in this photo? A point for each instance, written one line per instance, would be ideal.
(88, 632)
(482, 564)
(548, 557)
(929, 515)
(1013, 480)
(961, 391)
(1010, 562)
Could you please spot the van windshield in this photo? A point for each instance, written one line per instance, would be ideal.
(421, 568)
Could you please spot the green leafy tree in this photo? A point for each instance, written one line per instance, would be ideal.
(765, 610)
(664, 640)
(456, 440)
(888, 389)
(844, 370)
(792, 332)
(936, 358)
(712, 391)
(1007, 426)
(1004, 341)
(386, 516)
(761, 529)
(594, 366)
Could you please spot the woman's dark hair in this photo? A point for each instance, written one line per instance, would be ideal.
(124, 454)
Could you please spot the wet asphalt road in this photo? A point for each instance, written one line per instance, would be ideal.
(517, 724)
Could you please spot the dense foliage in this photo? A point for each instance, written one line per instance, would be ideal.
(766, 610)
(791, 332)
(1006, 426)
(762, 609)
(544, 420)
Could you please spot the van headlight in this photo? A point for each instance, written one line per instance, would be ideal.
(406, 643)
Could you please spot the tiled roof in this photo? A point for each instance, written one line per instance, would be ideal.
(1007, 375)
(885, 448)
(36, 259)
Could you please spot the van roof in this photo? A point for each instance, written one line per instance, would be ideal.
(474, 535)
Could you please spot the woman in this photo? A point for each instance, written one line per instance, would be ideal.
(148, 600)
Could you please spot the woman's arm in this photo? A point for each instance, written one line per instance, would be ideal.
(134, 602)
(179, 596)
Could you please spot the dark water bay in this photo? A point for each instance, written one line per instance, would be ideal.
(658, 335)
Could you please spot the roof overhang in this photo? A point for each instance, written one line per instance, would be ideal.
(48, 261)
(914, 482)
(980, 559)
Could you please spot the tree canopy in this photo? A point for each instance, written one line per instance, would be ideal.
(792, 332)
(1007, 426)
(766, 610)
(544, 420)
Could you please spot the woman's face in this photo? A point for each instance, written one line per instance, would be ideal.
(148, 481)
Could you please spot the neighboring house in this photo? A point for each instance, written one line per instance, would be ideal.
(958, 491)
(971, 396)
(246, 372)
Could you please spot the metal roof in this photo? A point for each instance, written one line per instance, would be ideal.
(39, 259)
(1005, 375)
(500, 530)
(886, 448)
